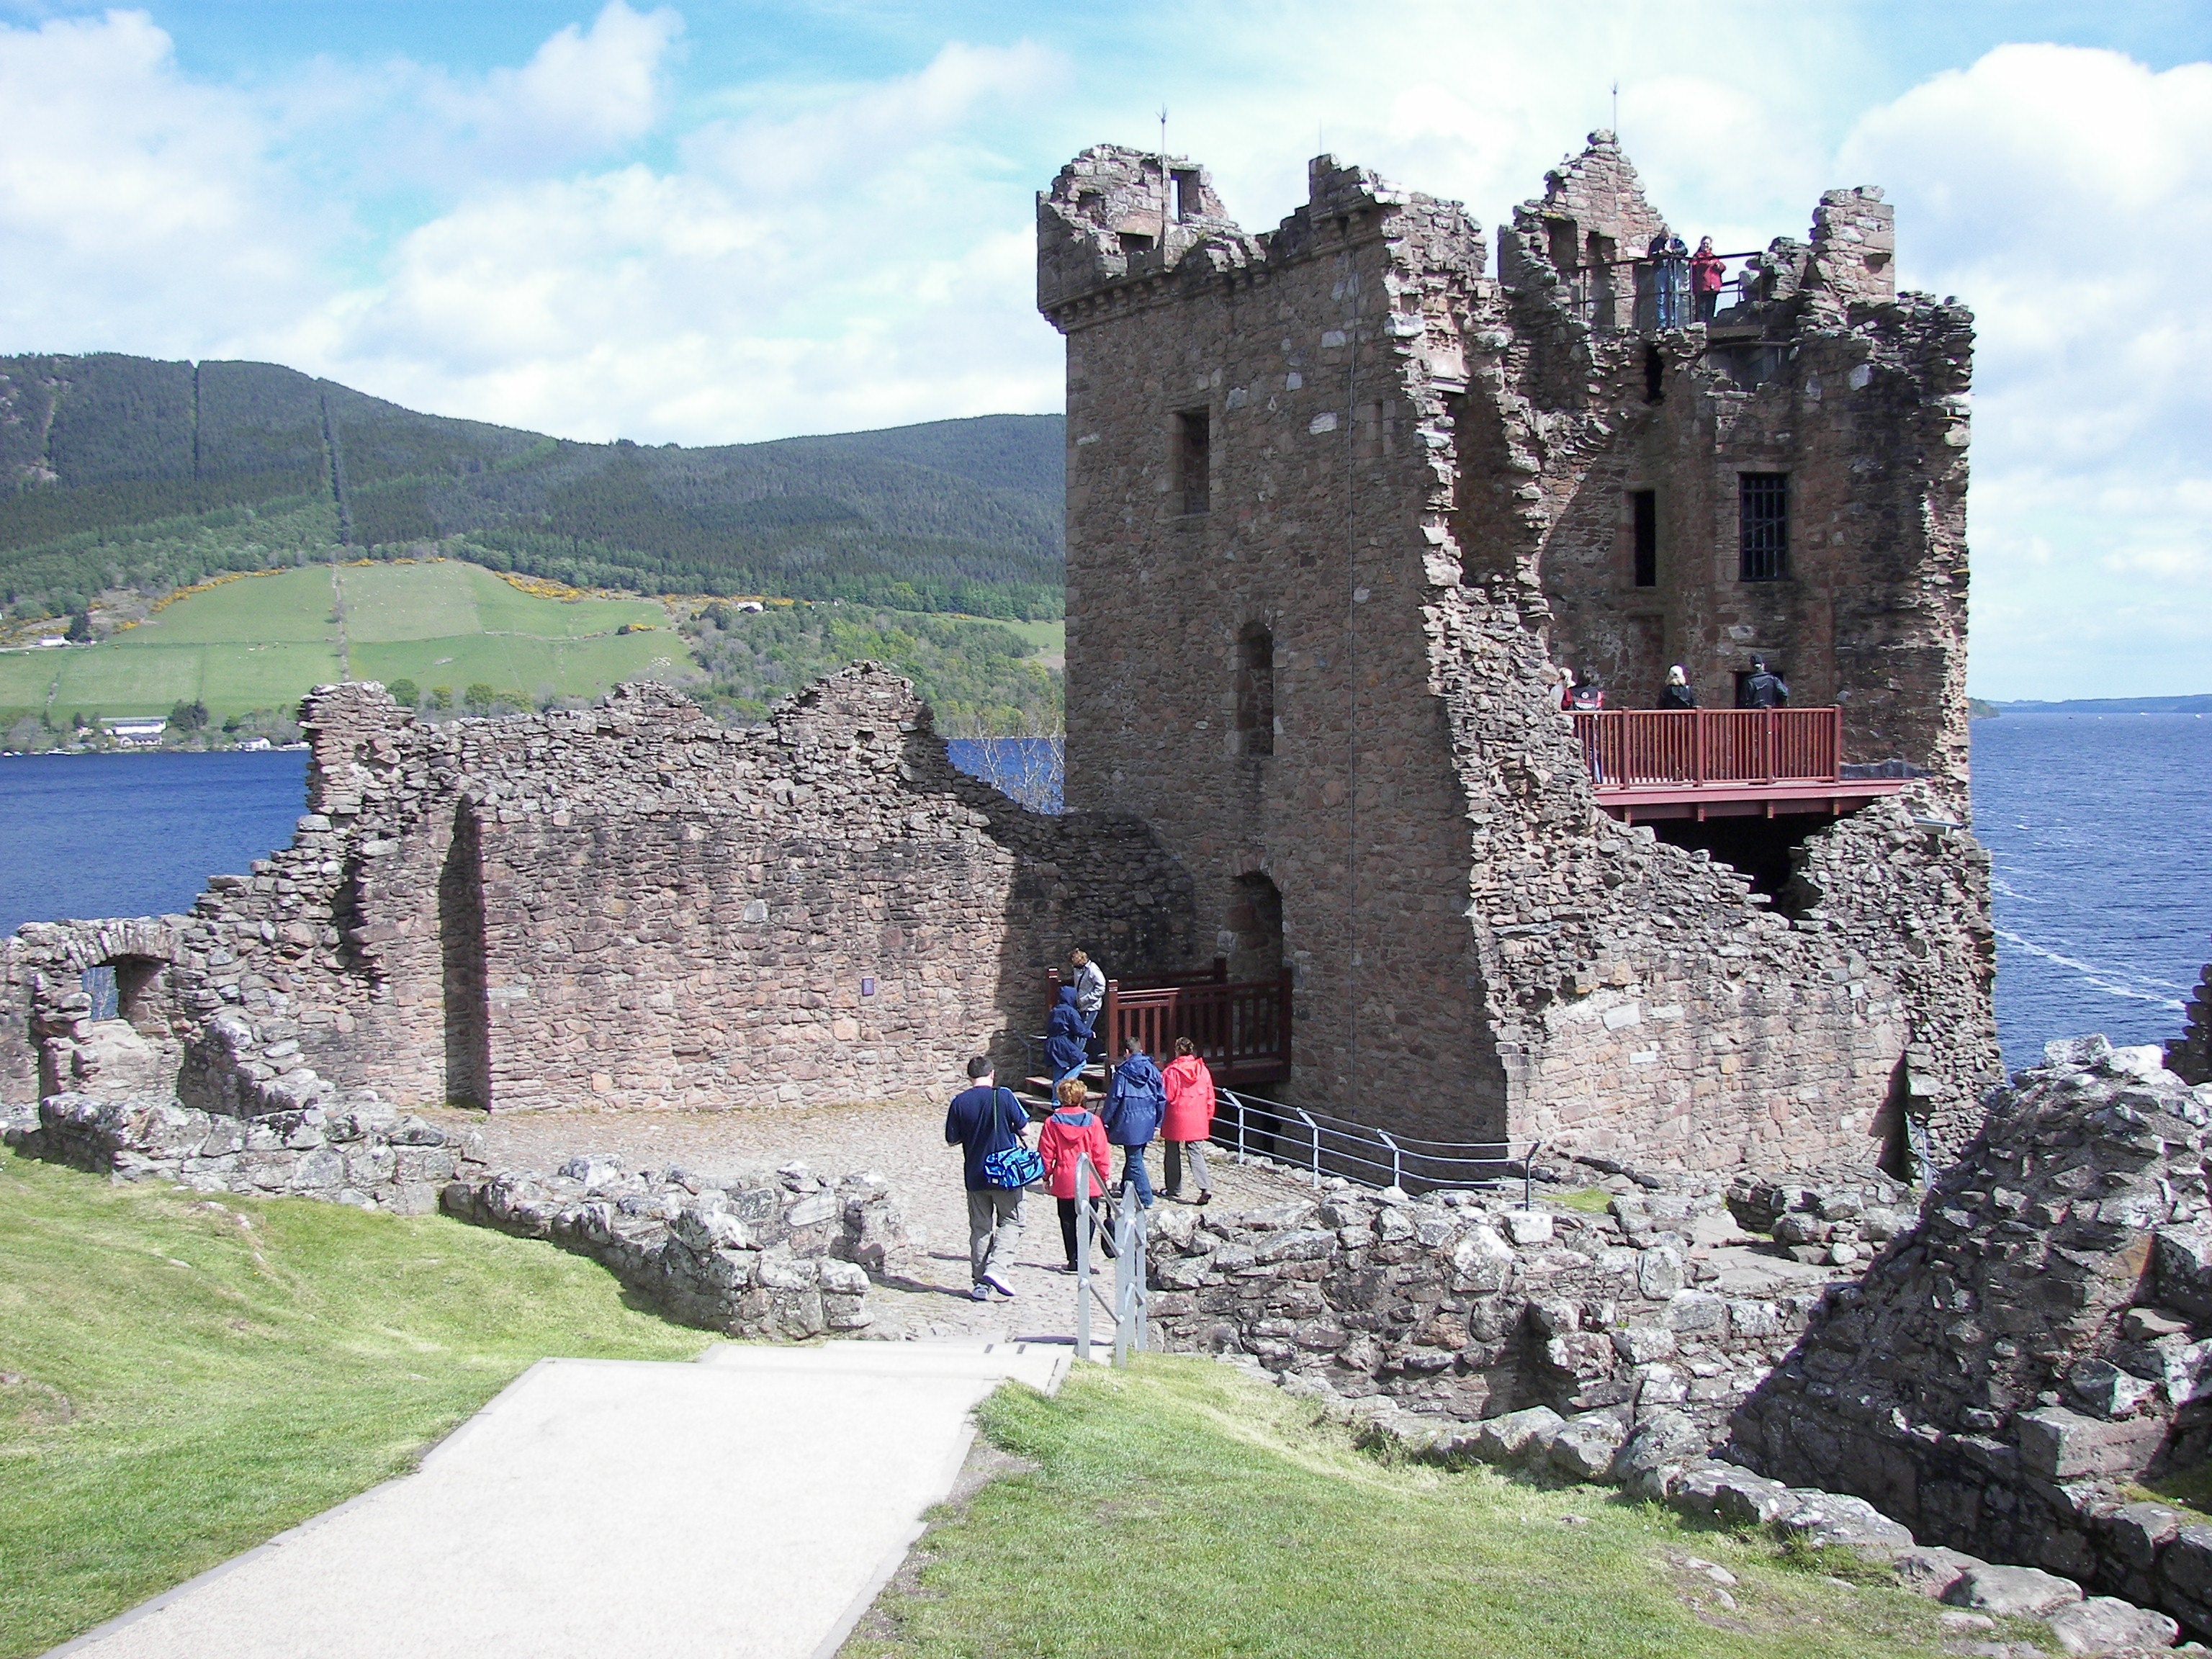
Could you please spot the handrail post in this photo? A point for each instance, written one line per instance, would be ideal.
(1397, 1163)
(1700, 718)
(1528, 1175)
(1315, 1128)
(1084, 1174)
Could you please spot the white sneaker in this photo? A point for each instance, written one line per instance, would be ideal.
(979, 1293)
(999, 1285)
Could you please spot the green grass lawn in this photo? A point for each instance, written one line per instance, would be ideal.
(1045, 638)
(178, 1387)
(1180, 1509)
(266, 640)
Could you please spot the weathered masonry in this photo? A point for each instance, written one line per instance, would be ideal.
(629, 905)
(1341, 504)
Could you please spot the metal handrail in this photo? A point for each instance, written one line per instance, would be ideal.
(1362, 1152)
(1130, 1308)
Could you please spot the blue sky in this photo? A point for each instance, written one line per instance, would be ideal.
(712, 221)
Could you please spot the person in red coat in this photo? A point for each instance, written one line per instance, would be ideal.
(1705, 274)
(1189, 1121)
(1070, 1131)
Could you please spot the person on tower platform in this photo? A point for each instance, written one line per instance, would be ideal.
(1763, 688)
(1677, 693)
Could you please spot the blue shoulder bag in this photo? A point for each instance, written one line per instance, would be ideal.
(1016, 1166)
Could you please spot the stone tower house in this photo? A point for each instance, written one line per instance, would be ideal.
(1341, 503)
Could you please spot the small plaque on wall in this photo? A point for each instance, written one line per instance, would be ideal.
(867, 988)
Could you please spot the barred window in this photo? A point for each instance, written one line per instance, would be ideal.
(1764, 547)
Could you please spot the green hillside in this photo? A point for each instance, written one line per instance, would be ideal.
(123, 474)
(263, 642)
(256, 645)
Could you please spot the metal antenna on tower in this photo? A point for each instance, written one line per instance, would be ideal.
(1167, 182)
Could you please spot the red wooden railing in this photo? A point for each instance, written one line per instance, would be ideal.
(1646, 748)
(1241, 1027)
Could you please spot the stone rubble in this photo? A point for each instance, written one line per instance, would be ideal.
(2040, 1339)
(2189, 1055)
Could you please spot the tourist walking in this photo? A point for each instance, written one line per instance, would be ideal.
(1705, 269)
(1762, 688)
(1069, 1134)
(1066, 1038)
(984, 1120)
(1587, 697)
(1189, 1124)
(1136, 1101)
(1677, 693)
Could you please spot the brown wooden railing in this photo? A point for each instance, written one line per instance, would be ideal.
(1648, 748)
(1241, 1027)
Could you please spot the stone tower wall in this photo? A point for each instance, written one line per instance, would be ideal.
(1401, 459)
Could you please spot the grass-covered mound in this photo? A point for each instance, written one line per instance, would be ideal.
(1180, 1509)
(185, 1379)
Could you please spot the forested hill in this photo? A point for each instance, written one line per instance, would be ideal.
(128, 472)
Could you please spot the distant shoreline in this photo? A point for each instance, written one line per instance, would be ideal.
(2196, 705)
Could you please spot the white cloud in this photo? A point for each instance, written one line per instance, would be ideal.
(139, 211)
(2062, 193)
(828, 268)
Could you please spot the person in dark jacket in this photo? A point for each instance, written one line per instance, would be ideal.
(1067, 1038)
(1136, 1101)
(1764, 688)
(1678, 694)
(986, 1118)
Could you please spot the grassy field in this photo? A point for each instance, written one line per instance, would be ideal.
(1180, 1509)
(179, 1382)
(263, 642)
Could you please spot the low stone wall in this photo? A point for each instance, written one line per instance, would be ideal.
(1460, 1307)
(776, 1255)
(2041, 1338)
(780, 1256)
(362, 1153)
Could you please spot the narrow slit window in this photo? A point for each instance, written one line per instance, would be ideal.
(1764, 548)
(1193, 458)
(1255, 690)
(1643, 517)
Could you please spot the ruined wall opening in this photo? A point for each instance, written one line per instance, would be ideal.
(1255, 918)
(1256, 691)
(1759, 847)
(463, 980)
(1654, 375)
(1644, 521)
(1193, 458)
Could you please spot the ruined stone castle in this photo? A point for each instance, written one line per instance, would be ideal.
(1340, 504)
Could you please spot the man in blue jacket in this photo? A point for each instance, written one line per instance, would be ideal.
(1136, 1101)
(986, 1118)
(1067, 1039)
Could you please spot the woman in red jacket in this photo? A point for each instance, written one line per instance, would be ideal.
(1189, 1121)
(1069, 1133)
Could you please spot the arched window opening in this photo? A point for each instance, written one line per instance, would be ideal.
(1256, 691)
(1255, 919)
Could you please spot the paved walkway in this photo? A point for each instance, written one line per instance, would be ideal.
(746, 1507)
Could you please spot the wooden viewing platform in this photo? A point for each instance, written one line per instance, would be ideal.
(1722, 762)
(1242, 1027)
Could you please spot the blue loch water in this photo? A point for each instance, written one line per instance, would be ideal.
(2100, 827)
